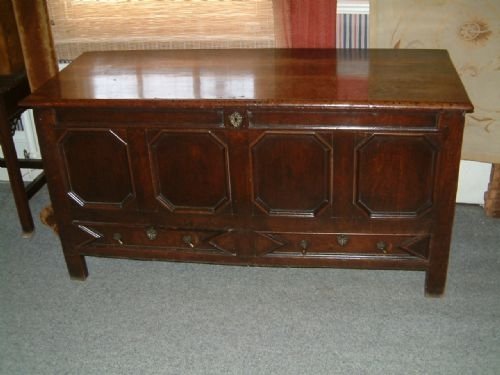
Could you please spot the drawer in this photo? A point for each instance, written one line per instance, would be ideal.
(136, 237)
(271, 244)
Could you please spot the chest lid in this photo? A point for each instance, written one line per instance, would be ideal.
(326, 78)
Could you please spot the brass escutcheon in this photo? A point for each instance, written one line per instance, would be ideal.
(236, 119)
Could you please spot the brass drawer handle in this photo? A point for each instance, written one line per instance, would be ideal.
(151, 233)
(304, 245)
(118, 238)
(236, 119)
(188, 240)
(382, 246)
(342, 239)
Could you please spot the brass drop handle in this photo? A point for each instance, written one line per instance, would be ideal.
(382, 246)
(342, 239)
(151, 233)
(118, 238)
(188, 240)
(236, 119)
(304, 245)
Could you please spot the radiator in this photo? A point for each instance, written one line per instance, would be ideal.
(352, 31)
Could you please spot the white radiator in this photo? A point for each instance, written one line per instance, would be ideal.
(353, 23)
(352, 31)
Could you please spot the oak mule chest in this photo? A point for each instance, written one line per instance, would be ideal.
(277, 157)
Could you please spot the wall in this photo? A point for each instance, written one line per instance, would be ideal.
(470, 31)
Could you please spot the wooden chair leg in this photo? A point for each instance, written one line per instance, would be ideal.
(492, 196)
(14, 171)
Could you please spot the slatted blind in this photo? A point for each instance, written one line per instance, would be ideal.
(84, 25)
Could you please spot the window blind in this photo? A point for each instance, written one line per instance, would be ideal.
(84, 25)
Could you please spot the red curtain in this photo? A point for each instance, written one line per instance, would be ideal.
(305, 23)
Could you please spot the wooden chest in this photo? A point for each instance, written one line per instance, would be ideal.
(316, 158)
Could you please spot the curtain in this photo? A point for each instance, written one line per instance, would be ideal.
(305, 23)
(36, 40)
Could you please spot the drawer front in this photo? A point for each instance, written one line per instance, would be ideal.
(144, 238)
(283, 244)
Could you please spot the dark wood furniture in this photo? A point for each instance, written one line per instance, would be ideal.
(13, 88)
(327, 158)
(492, 196)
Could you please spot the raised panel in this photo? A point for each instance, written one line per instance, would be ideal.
(291, 173)
(190, 171)
(96, 164)
(395, 175)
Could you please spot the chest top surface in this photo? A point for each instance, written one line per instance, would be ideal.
(308, 77)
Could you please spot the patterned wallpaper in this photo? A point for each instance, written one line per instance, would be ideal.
(470, 31)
